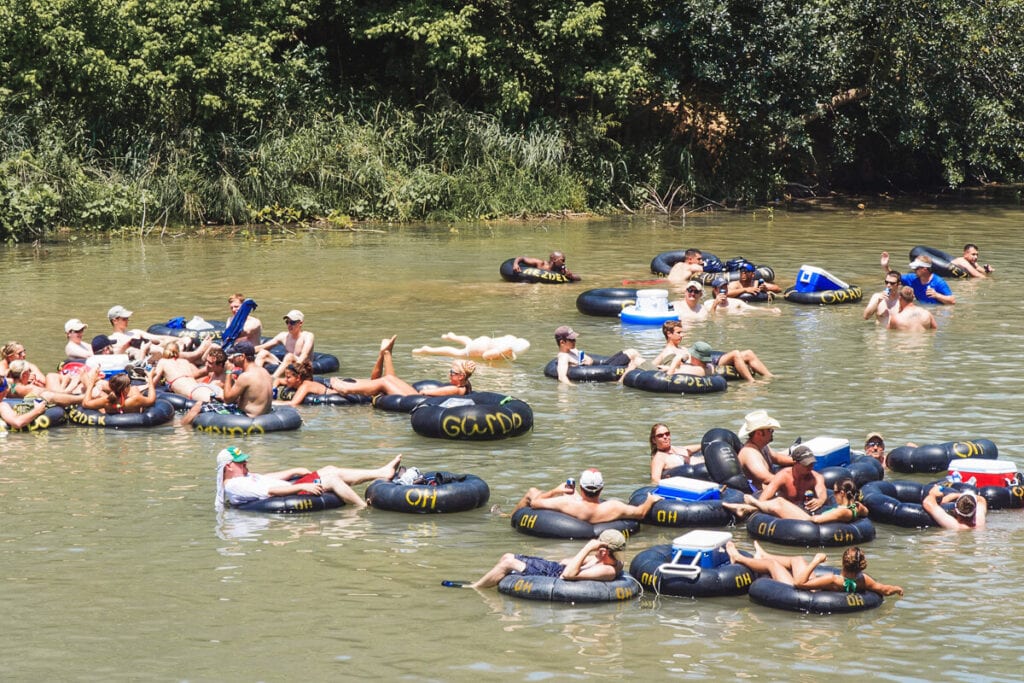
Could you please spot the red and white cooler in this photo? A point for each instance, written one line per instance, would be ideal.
(984, 472)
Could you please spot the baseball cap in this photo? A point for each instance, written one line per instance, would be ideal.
(612, 538)
(873, 436)
(74, 324)
(243, 348)
(695, 284)
(231, 454)
(118, 312)
(804, 455)
(100, 342)
(565, 332)
(295, 314)
(591, 480)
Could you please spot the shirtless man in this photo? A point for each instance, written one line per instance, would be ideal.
(723, 305)
(756, 456)
(672, 330)
(569, 356)
(587, 505)
(751, 282)
(214, 370)
(885, 302)
(595, 561)
(968, 514)
(252, 390)
(699, 360)
(180, 375)
(298, 344)
(969, 262)
(910, 317)
(691, 308)
(793, 483)
(555, 263)
(133, 342)
(692, 264)
(252, 330)
(486, 348)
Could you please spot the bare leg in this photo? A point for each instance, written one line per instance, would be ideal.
(755, 363)
(524, 501)
(780, 507)
(388, 384)
(734, 359)
(761, 565)
(58, 398)
(461, 338)
(288, 358)
(506, 565)
(384, 358)
(635, 359)
(802, 569)
(442, 351)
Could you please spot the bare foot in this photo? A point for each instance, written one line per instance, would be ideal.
(388, 344)
(449, 336)
(730, 549)
(759, 552)
(740, 510)
(749, 499)
(392, 467)
(819, 558)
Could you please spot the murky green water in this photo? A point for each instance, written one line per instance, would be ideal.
(114, 564)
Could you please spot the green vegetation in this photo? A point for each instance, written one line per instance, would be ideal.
(126, 113)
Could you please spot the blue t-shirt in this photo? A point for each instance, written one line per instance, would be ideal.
(936, 283)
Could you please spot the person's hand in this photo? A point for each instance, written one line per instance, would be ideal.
(516, 267)
(987, 269)
(935, 491)
(655, 496)
(813, 504)
(315, 489)
(884, 260)
(930, 291)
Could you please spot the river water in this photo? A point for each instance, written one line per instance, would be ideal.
(115, 565)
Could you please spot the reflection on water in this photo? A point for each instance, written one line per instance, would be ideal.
(141, 578)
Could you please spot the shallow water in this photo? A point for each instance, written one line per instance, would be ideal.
(115, 564)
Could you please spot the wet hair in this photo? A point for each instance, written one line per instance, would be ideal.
(466, 367)
(847, 487)
(217, 355)
(692, 252)
(654, 428)
(970, 245)
(670, 325)
(966, 505)
(171, 350)
(854, 560)
(303, 370)
(119, 383)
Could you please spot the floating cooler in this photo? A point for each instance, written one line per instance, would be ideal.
(814, 279)
(705, 549)
(652, 301)
(830, 452)
(109, 364)
(985, 472)
(686, 488)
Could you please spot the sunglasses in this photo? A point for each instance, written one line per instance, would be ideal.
(890, 282)
(456, 373)
(874, 444)
(693, 290)
(661, 434)
(289, 323)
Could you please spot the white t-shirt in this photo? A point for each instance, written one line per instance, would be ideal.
(240, 490)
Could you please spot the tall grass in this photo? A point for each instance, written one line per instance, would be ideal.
(381, 163)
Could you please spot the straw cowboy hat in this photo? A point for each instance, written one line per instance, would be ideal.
(759, 419)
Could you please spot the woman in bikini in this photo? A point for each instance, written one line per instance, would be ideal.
(383, 379)
(180, 375)
(119, 396)
(25, 384)
(797, 572)
(847, 509)
(665, 456)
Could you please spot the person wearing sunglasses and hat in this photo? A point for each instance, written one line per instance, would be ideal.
(585, 505)
(297, 342)
(750, 283)
(928, 287)
(969, 513)
(797, 483)
(569, 356)
(757, 458)
(237, 485)
(597, 560)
